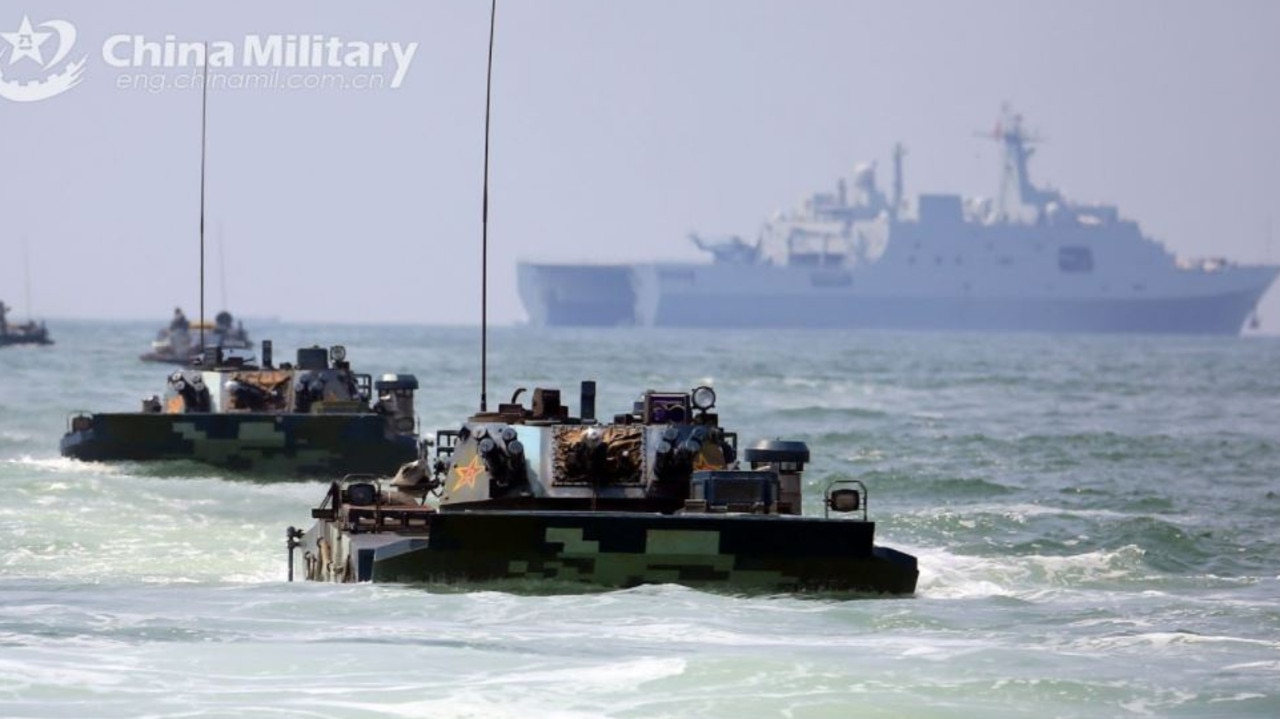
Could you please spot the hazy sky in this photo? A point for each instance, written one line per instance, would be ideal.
(617, 128)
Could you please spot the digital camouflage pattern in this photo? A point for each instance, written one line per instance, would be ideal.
(625, 550)
(262, 444)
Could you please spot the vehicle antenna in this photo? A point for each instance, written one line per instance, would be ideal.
(1268, 258)
(26, 278)
(204, 107)
(222, 268)
(484, 223)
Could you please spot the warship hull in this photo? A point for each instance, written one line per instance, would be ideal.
(617, 549)
(717, 296)
(324, 446)
(577, 295)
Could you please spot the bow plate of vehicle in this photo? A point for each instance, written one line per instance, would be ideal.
(658, 495)
(313, 418)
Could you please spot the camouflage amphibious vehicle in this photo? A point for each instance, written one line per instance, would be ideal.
(313, 418)
(655, 496)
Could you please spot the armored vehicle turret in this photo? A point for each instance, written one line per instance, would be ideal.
(660, 493)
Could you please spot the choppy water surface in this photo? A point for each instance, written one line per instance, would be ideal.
(1095, 519)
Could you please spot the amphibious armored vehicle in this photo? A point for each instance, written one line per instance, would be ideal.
(657, 495)
(314, 418)
(183, 341)
(27, 333)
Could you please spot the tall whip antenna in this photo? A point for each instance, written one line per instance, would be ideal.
(204, 113)
(26, 278)
(222, 269)
(484, 225)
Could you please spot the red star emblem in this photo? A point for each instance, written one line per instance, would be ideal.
(700, 462)
(467, 473)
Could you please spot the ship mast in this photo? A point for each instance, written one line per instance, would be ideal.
(1016, 189)
(896, 206)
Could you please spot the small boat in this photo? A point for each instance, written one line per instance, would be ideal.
(182, 341)
(658, 495)
(27, 333)
(314, 418)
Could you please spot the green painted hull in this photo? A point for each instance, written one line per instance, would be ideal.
(297, 445)
(733, 552)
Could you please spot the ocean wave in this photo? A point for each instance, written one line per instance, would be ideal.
(951, 575)
(63, 465)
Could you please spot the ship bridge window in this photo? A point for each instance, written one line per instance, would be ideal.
(1073, 258)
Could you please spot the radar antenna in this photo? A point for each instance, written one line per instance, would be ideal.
(484, 222)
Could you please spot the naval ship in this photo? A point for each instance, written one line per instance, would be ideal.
(1027, 260)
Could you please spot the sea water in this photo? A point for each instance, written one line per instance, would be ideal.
(1095, 519)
